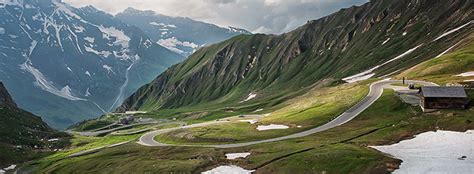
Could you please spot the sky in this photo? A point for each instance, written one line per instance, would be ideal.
(257, 16)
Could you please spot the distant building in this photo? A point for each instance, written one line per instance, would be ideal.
(436, 97)
(126, 120)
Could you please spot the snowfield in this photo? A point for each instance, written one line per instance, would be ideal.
(47, 85)
(236, 155)
(368, 73)
(384, 42)
(163, 25)
(90, 39)
(434, 152)
(108, 68)
(119, 35)
(172, 43)
(104, 54)
(453, 30)
(228, 170)
(447, 50)
(249, 121)
(466, 74)
(11, 167)
(250, 97)
(271, 127)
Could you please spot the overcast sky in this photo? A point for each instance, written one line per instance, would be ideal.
(258, 16)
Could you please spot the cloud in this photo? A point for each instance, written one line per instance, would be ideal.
(262, 16)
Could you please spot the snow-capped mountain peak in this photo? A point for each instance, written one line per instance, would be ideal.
(71, 56)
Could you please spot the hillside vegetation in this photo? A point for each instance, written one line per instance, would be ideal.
(295, 79)
(445, 69)
(379, 37)
(23, 136)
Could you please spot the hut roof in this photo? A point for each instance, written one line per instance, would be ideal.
(443, 92)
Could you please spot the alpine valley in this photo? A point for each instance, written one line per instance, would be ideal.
(80, 61)
(383, 87)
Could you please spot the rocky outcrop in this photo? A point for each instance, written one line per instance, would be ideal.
(5, 98)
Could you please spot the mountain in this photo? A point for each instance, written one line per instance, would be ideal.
(21, 132)
(377, 39)
(179, 34)
(5, 98)
(68, 64)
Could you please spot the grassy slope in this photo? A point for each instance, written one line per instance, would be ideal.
(310, 110)
(334, 151)
(78, 144)
(391, 121)
(339, 150)
(342, 44)
(21, 132)
(445, 68)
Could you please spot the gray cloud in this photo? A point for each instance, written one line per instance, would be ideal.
(260, 16)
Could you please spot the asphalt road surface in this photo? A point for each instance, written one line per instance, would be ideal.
(375, 91)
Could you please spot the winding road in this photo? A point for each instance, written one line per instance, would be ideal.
(375, 91)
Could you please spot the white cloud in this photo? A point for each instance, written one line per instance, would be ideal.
(268, 16)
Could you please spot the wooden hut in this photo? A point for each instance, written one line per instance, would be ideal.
(437, 97)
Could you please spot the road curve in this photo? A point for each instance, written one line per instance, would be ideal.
(375, 91)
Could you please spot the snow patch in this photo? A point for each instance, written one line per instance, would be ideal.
(440, 152)
(249, 97)
(89, 39)
(360, 76)
(88, 73)
(171, 43)
(11, 3)
(46, 85)
(163, 25)
(53, 139)
(249, 121)
(108, 68)
(271, 127)
(453, 30)
(66, 91)
(466, 74)
(404, 33)
(79, 29)
(65, 9)
(100, 53)
(384, 42)
(236, 155)
(236, 30)
(228, 170)
(119, 35)
(135, 112)
(11, 167)
(368, 73)
(88, 93)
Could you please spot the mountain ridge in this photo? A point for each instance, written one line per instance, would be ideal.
(80, 61)
(182, 35)
(385, 37)
(5, 98)
(22, 134)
